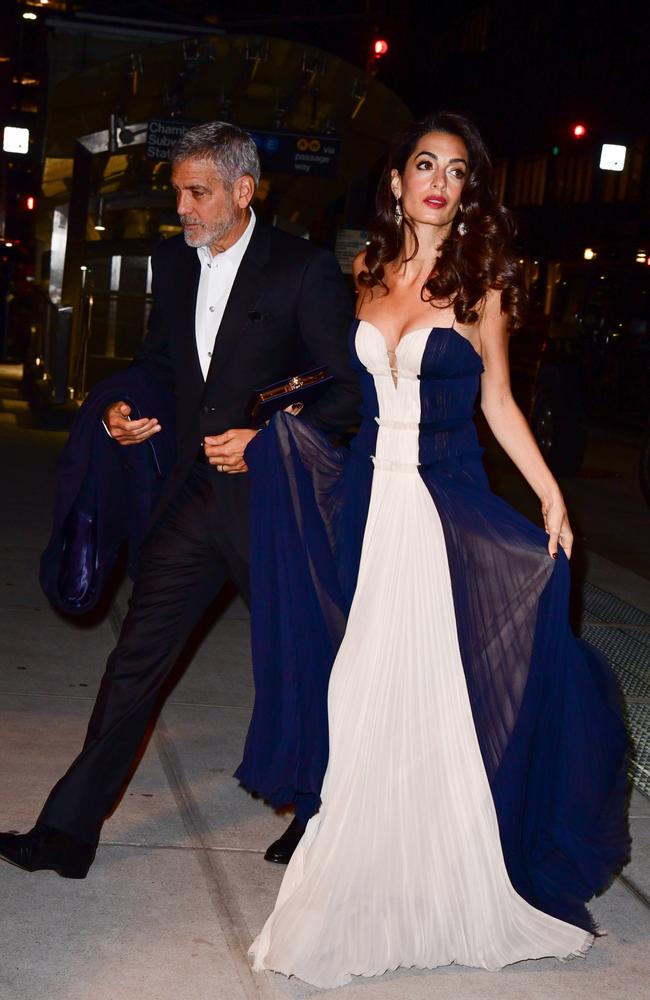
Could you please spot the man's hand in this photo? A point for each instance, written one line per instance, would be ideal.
(125, 431)
(226, 451)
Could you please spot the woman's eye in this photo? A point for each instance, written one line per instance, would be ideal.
(424, 165)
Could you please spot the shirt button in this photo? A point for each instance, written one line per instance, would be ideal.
(211, 309)
(209, 354)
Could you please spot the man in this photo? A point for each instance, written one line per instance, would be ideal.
(236, 306)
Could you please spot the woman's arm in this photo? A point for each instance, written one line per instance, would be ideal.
(510, 428)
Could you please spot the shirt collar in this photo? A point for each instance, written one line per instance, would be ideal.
(234, 253)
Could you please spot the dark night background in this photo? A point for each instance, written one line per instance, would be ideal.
(527, 73)
(524, 70)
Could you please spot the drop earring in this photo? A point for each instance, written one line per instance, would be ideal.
(462, 228)
(399, 215)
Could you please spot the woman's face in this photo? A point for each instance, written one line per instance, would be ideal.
(433, 179)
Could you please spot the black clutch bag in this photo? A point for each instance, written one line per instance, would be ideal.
(303, 388)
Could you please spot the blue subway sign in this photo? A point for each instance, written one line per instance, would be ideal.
(280, 152)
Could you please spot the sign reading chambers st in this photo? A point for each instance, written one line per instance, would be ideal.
(162, 135)
(280, 152)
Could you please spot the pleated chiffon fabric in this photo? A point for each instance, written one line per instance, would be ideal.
(463, 715)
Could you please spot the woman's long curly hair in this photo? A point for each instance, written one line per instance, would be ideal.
(469, 265)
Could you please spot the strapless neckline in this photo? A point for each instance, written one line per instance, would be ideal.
(410, 333)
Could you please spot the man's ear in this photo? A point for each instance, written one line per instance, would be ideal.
(243, 191)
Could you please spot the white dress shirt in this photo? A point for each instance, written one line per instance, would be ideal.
(218, 274)
(217, 277)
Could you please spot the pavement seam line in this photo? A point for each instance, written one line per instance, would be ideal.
(233, 926)
(229, 915)
(183, 847)
(634, 889)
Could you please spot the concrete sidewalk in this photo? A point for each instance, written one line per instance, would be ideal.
(180, 887)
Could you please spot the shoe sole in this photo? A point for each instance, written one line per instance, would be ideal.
(63, 872)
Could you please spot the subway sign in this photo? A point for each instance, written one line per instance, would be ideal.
(298, 153)
(280, 152)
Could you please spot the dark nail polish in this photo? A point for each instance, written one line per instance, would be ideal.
(555, 555)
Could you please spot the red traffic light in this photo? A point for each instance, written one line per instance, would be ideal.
(379, 47)
(579, 131)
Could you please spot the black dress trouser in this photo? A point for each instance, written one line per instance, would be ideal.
(200, 542)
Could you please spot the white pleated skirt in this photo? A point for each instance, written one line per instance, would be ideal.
(403, 865)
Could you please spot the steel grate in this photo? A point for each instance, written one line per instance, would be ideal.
(622, 633)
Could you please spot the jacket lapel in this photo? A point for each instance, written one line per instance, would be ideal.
(246, 290)
(188, 275)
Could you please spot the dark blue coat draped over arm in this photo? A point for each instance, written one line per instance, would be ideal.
(105, 492)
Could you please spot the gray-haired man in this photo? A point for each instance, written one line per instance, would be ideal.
(237, 306)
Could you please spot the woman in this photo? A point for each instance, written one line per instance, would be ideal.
(473, 799)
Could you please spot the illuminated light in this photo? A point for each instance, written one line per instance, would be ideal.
(83, 268)
(579, 131)
(612, 157)
(29, 16)
(555, 150)
(641, 256)
(589, 254)
(380, 47)
(31, 203)
(99, 225)
(8, 244)
(15, 140)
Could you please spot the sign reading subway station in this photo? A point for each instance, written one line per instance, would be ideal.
(280, 152)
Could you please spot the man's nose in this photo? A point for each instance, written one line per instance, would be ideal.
(182, 203)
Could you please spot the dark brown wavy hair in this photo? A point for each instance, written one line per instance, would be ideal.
(469, 265)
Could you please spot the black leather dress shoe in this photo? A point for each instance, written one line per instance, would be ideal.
(45, 848)
(281, 849)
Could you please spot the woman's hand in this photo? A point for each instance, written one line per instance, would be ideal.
(556, 524)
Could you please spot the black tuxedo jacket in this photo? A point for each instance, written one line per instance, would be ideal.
(288, 310)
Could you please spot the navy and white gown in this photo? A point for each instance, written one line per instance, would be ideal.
(474, 793)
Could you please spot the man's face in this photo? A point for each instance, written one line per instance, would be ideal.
(207, 209)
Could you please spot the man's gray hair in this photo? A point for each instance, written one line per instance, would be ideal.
(232, 150)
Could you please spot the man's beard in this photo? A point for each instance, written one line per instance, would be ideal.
(205, 236)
